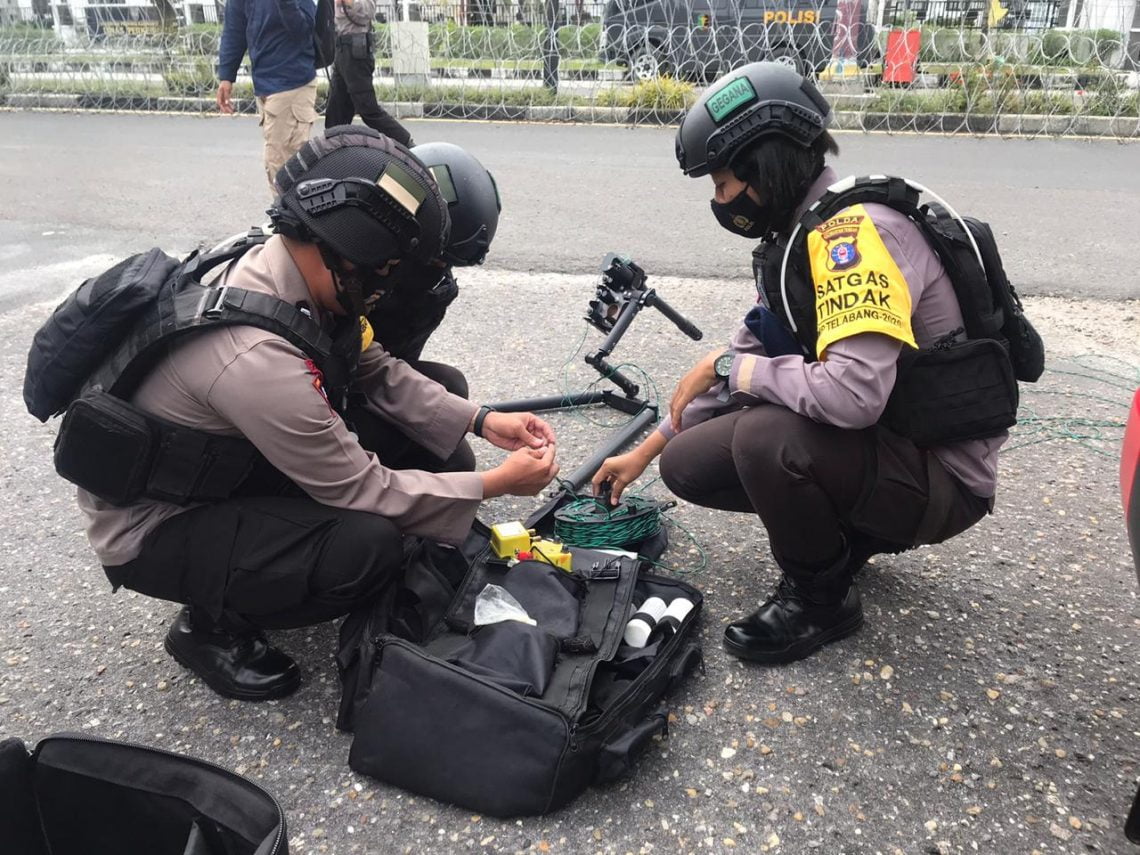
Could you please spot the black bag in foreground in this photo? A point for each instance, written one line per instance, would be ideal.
(77, 795)
(511, 719)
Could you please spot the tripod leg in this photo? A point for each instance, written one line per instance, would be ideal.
(581, 476)
(550, 402)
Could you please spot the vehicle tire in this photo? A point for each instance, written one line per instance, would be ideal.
(647, 63)
(787, 56)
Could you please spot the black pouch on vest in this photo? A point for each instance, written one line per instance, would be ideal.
(965, 390)
(119, 453)
(105, 446)
(360, 46)
(77, 795)
(510, 747)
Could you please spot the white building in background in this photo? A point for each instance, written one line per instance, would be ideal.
(24, 11)
(202, 11)
(9, 13)
(1120, 15)
(79, 18)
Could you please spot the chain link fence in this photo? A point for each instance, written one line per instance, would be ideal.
(1013, 67)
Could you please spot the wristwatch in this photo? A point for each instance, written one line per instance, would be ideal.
(722, 367)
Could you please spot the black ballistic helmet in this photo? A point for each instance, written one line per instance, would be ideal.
(756, 100)
(361, 197)
(472, 200)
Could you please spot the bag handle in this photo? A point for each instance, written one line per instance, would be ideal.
(690, 659)
(616, 756)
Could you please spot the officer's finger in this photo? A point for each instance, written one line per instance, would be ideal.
(616, 485)
(675, 415)
(544, 430)
(600, 478)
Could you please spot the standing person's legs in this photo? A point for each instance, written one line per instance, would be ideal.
(358, 73)
(339, 109)
(244, 565)
(286, 123)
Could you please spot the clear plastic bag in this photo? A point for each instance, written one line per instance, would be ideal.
(495, 605)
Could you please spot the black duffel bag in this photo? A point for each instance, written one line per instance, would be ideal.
(508, 718)
(78, 795)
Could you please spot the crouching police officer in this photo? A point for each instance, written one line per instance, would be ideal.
(424, 290)
(420, 292)
(320, 532)
(788, 422)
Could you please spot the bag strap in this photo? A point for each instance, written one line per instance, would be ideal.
(955, 244)
(190, 308)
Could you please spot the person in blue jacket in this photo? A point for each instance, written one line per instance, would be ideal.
(278, 35)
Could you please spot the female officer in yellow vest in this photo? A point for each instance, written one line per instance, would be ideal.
(789, 428)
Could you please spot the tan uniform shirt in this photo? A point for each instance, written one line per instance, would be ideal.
(246, 381)
(354, 16)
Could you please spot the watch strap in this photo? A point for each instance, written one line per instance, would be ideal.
(480, 417)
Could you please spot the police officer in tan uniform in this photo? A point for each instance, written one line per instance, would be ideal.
(764, 428)
(353, 205)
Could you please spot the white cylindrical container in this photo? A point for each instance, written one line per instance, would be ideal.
(640, 626)
(670, 622)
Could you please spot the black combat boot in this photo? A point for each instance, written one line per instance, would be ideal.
(806, 612)
(236, 662)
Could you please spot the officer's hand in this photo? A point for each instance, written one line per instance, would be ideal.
(620, 472)
(225, 88)
(698, 381)
(525, 473)
(511, 431)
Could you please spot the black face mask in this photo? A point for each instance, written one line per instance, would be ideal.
(358, 291)
(742, 215)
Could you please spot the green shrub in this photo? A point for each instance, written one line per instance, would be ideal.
(196, 80)
(1047, 104)
(931, 102)
(1112, 99)
(518, 42)
(453, 41)
(580, 42)
(27, 38)
(663, 93)
(1109, 48)
(201, 39)
(948, 44)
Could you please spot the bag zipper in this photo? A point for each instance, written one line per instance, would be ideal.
(79, 737)
(644, 677)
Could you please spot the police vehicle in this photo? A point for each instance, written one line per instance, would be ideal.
(701, 39)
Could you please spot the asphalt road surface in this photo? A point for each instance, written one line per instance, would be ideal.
(1065, 210)
(989, 704)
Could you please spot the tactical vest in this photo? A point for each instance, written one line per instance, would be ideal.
(122, 454)
(962, 386)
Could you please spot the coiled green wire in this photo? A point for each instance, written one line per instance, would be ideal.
(593, 524)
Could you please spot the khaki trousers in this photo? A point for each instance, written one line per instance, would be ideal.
(286, 121)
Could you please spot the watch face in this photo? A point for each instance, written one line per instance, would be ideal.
(723, 365)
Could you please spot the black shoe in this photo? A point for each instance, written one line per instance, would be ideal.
(788, 626)
(235, 665)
